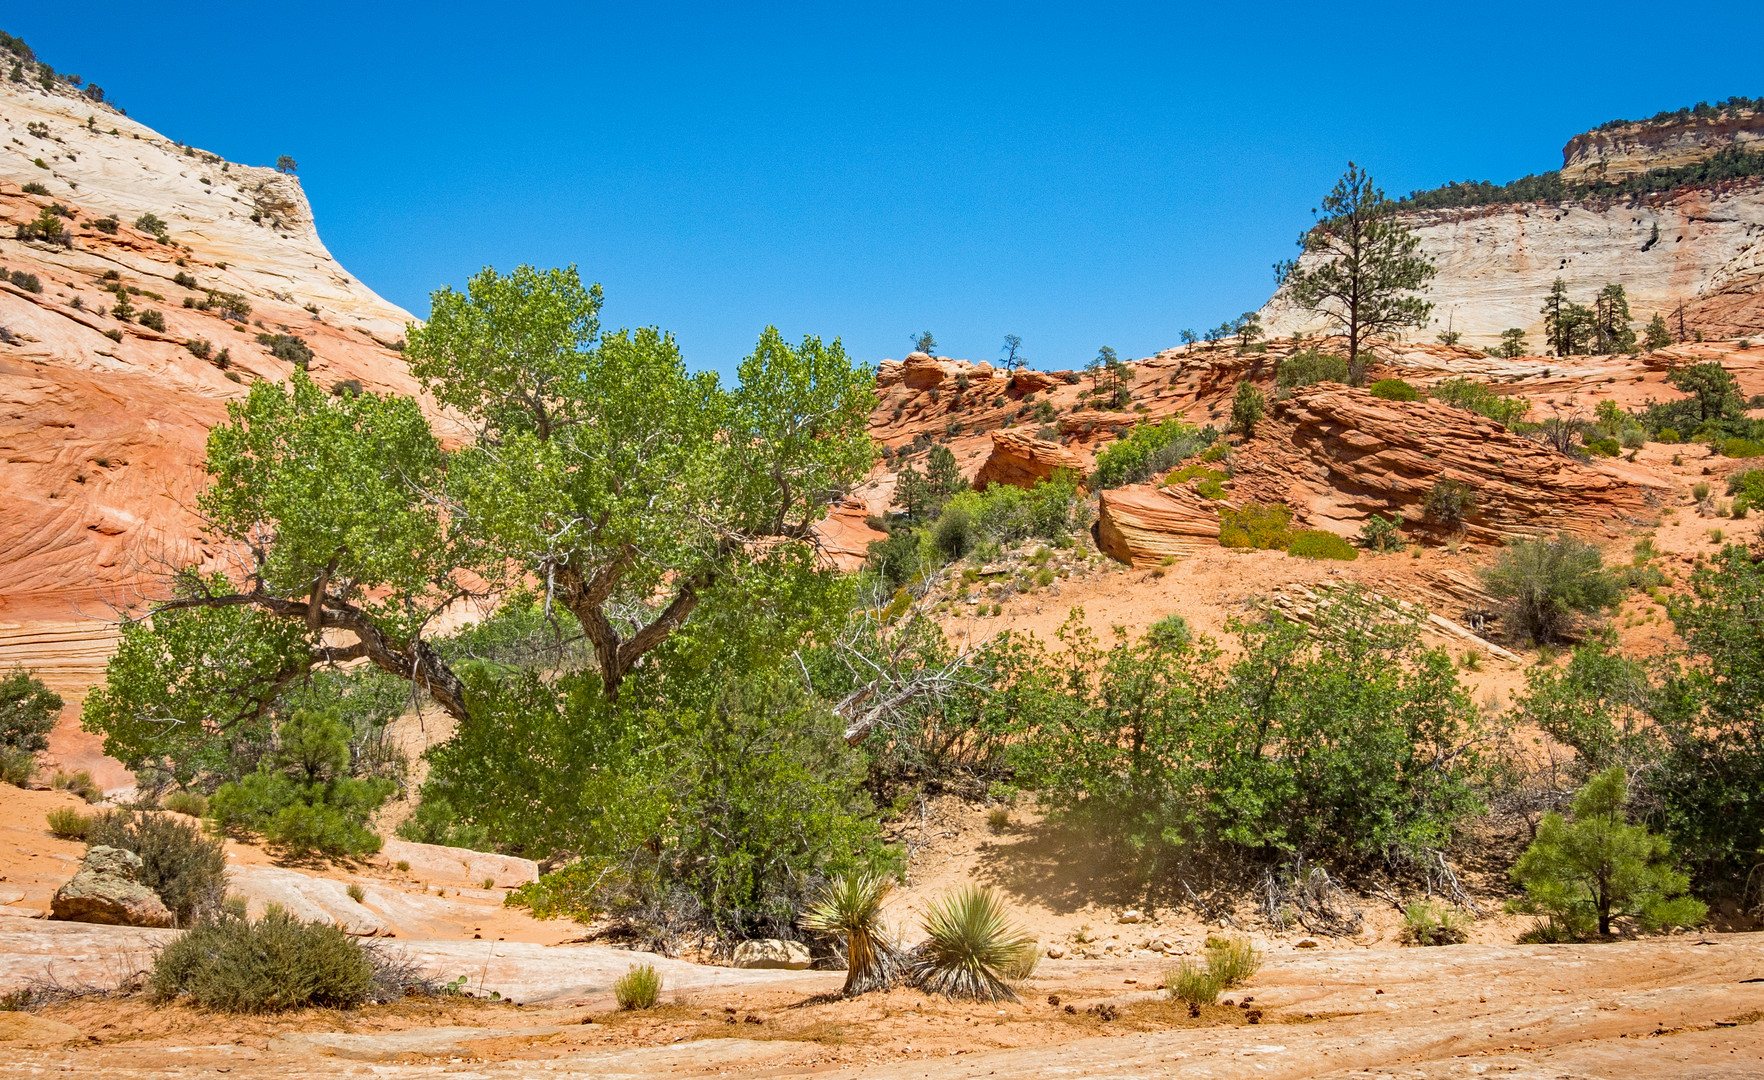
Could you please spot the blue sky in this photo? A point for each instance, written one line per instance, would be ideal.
(1079, 175)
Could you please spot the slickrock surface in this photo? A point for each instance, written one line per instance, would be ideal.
(1020, 459)
(1337, 455)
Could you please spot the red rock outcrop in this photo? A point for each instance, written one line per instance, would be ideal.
(845, 535)
(1024, 381)
(1020, 459)
(1337, 455)
(1142, 525)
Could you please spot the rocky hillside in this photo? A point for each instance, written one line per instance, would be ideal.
(224, 281)
(1698, 247)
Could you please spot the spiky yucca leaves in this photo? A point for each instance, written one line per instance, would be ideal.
(852, 905)
(972, 952)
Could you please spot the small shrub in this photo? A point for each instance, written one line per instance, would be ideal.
(107, 225)
(1171, 631)
(199, 348)
(1544, 585)
(28, 711)
(1742, 448)
(188, 281)
(1449, 502)
(971, 952)
(1428, 923)
(1480, 398)
(17, 767)
(1256, 526)
(356, 893)
(1382, 534)
(152, 225)
(68, 823)
(276, 963)
(1321, 544)
(186, 868)
(28, 282)
(77, 783)
(188, 803)
(851, 906)
(488, 884)
(288, 349)
(153, 320)
(1310, 367)
(1700, 490)
(638, 988)
(1603, 447)
(403, 866)
(35, 188)
(1633, 438)
(998, 819)
(1232, 959)
(1667, 435)
(1247, 407)
(1394, 390)
(1193, 982)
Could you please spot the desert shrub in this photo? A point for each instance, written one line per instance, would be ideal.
(46, 228)
(1147, 450)
(1256, 525)
(186, 868)
(1193, 982)
(1393, 390)
(638, 988)
(1700, 490)
(1449, 502)
(899, 559)
(1171, 632)
(1233, 959)
(1633, 438)
(302, 798)
(151, 224)
(1247, 406)
(68, 823)
(1601, 447)
(850, 905)
(1586, 873)
(77, 783)
(1321, 544)
(274, 964)
(232, 305)
(1428, 923)
(199, 348)
(1382, 534)
(1544, 585)
(17, 767)
(28, 711)
(189, 803)
(107, 225)
(955, 531)
(1212, 481)
(1006, 514)
(436, 822)
(1747, 486)
(287, 348)
(971, 951)
(1309, 367)
(1742, 448)
(28, 282)
(188, 281)
(1666, 435)
(153, 320)
(1480, 398)
(34, 188)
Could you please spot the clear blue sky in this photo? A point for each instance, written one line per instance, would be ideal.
(1077, 174)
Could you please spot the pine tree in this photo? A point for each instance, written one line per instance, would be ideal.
(1611, 321)
(1556, 327)
(1360, 266)
(1513, 343)
(1656, 336)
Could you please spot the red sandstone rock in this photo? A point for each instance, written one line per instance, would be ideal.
(1142, 525)
(1020, 459)
(1024, 381)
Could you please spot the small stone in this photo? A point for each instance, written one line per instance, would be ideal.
(1054, 952)
(1132, 916)
(1306, 943)
(772, 953)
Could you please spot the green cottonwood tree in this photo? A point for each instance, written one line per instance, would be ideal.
(1360, 265)
(595, 469)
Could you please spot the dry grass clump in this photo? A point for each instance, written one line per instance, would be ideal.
(638, 988)
(1428, 923)
(276, 963)
(851, 906)
(1230, 961)
(188, 803)
(972, 952)
(68, 823)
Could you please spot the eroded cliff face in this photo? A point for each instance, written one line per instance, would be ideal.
(103, 419)
(1612, 153)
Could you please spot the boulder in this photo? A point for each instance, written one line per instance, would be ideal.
(1132, 916)
(921, 372)
(1024, 381)
(1020, 459)
(772, 953)
(1142, 525)
(107, 890)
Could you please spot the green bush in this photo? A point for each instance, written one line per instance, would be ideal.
(153, 320)
(1171, 632)
(1193, 982)
(1321, 544)
(1666, 435)
(1480, 398)
(954, 531)
(68, 823)
(1603, 447)
(78, 783)
(302, 799)
(1233, 959)
(288, 349)
(1212, 481)
(27, 282)
(1428, 923)
(1148, 450)
(1748, 485)
(1256, 526)
(1585, 874)
(638, 988)
(189, 803)
(274, 964)
(1382, 534)
(1449, 502)
(1544, 585)
(971, 951)
(17, 767)
(1309, 367)
(187, 869)
(1742, 448)
(1247, 406)
(28, 711)
(850, 905)
(1394, 390)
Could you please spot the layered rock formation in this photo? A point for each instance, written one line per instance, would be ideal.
(1615, 151)
(1022, 460)
(1144, 524)
(1337, 455)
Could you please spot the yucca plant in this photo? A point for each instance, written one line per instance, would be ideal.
(852, 905)
(972, 952)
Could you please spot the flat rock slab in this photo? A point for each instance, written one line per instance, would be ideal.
(453, 864)
(382, 1046)
(23, 1029)
(309, 898)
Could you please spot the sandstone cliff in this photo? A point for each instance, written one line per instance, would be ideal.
(103, 420)
(1614, 151)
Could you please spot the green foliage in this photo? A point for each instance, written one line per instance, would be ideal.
(151, 224)
(1656, 336)
(850, 905)
(1308, 367)
(1742, 448)
(1212, 481)
(186, 868)
(1256, 525)
(189, 803)
(1544, 585)
(1230, 962)
(1353, 741)
(78, 783)
(27, 282)
(276, 963)
(1732, 163)
(1513, 343)
(1148, 450)
(301, 798)
(1598, 868)
(1321, 544)
(68, 823)
(1382, 534)
(1428, 923)
(638, 988)
(1393, 390)
(1170, 632)
(1247, 406)
(17, 767)
(971, 952)
(1360, 266)
(288, 349)
(28, 711)
(1193, 982)
(1449, 502)
(1464, 393)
